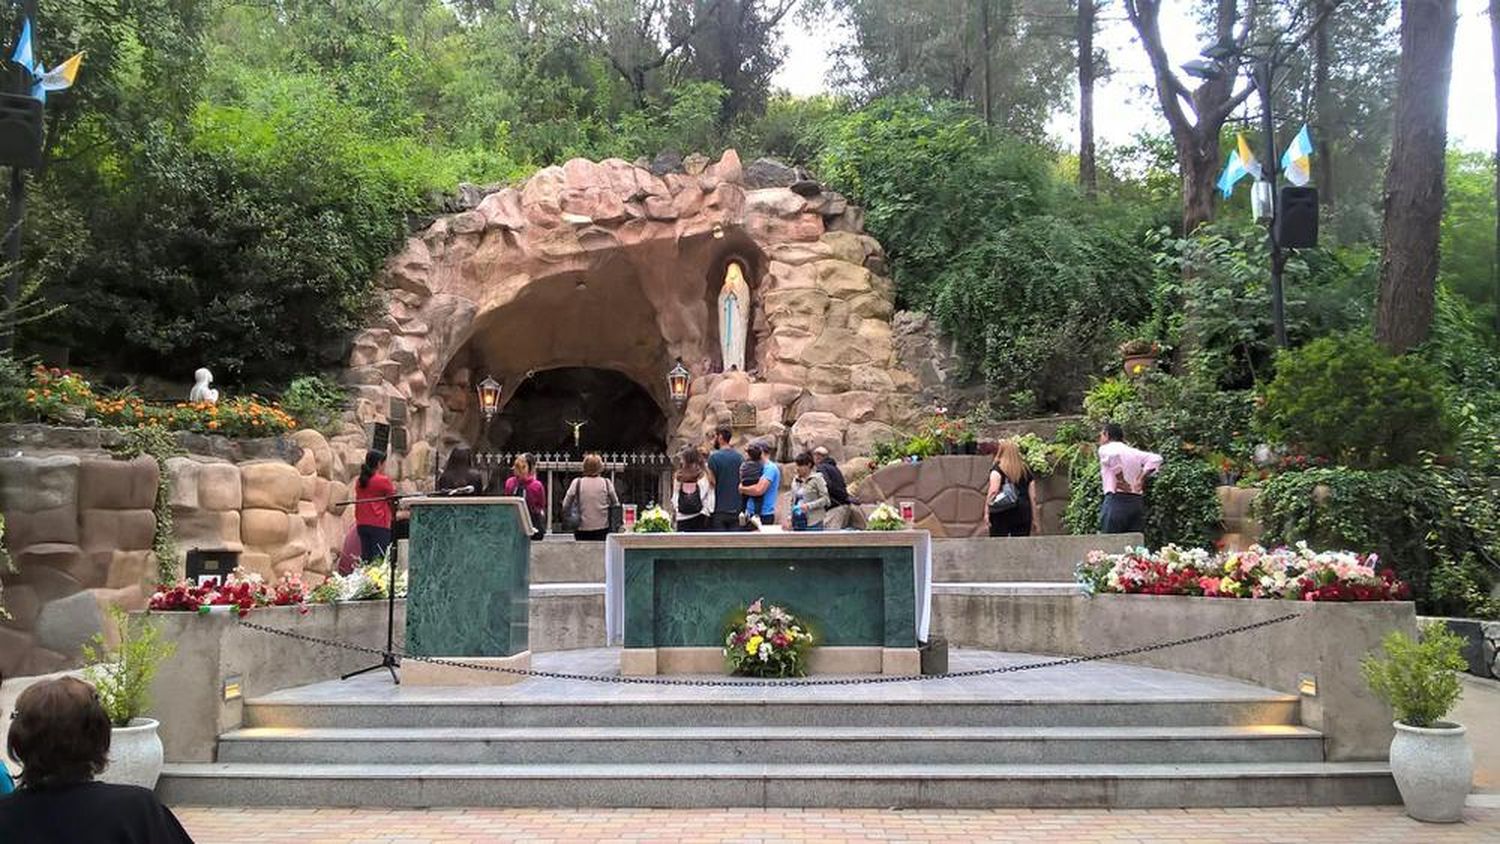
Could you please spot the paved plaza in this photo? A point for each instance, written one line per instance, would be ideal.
(1366, 825)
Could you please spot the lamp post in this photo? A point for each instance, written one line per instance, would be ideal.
(1262, 73)
(16, 211)
(677, 384)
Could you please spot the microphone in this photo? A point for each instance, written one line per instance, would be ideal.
(462, 490)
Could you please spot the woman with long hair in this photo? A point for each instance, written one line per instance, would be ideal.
(523, 483)
(459, 473)
(692, 493)
(1008, 502)
(593, 495)
(374, 507)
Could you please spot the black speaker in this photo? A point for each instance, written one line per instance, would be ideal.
(20, 131)
(1297, 224)
(380, 440)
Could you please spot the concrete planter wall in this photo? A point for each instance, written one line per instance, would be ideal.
(188, 694)
(1327, 643)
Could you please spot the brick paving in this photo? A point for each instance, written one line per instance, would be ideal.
(1366, 825)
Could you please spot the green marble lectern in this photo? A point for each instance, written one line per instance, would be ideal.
(468, 589)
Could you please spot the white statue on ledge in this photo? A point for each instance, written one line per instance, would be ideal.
(734, 317)
(202, 392)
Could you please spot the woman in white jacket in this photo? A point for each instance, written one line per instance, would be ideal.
(692, 493)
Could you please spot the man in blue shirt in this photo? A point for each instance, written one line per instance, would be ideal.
(767, 487)
(724, 470)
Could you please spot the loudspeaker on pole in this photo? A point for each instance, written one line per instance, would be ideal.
(1297, 222)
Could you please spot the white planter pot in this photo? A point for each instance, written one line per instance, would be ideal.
(1433, 768)
(135, 754)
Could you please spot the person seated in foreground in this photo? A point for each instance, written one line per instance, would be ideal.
(60, 735)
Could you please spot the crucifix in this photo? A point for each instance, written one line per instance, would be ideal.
(577, 426)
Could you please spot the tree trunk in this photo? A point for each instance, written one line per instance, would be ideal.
(1088, 177)
(987, 47)
(1414, 180)
(1324, 128)
(1200, 176)
(1495, 49)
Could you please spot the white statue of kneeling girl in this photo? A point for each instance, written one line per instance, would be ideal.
(202, 392)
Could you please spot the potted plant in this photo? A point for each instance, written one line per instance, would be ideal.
(122, 676)
(1431, 760)
(1140, 356)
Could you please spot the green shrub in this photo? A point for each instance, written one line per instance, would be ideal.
(1417, 677)
(13, 383)
(314, 401)
(122, 674)
(1344, 398)
(1437, 526)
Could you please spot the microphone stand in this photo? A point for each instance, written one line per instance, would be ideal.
(388, 658)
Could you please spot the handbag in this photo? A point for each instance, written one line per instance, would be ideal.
(616, 510)
(573, 515)
(1006, 499)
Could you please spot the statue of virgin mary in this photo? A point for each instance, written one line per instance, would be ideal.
(734, 317)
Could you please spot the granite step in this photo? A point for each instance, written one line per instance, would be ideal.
(729, 707)
(806, 745)
(783, 785)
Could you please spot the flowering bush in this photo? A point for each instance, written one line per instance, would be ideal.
(244, 590)
(767, 643)
(1296, 574)
(366, 583)
(654, 520)
(55, 394)
(885, 517)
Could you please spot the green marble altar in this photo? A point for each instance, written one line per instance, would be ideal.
(852, 589)
(469, 587)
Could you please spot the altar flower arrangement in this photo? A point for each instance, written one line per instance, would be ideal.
(367, 582)
(1296, 574)
(241, 590)
(767, 642)
(885, 517)
(654, 520)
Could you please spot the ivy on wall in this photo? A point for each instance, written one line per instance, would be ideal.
(161, 445)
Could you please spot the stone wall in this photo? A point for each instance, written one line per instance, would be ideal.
(948, 495)
(80, 526)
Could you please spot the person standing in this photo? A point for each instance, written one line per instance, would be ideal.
(594, 495)
(1009, 468)
(839, 505)
(460, 474)
(767, 486)
(810, 496)
(1124, 471)
(374, 507)
(724, 471)
(692, 494)
(523, 482)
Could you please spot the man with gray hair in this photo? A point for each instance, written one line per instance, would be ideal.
(840, 512)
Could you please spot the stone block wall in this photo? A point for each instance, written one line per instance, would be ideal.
(948, 494)
(80, 528)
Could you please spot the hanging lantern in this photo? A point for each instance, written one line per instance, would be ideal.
(677, 384)
(489, 397)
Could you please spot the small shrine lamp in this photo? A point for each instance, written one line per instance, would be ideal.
(489, 397)
(677, 384)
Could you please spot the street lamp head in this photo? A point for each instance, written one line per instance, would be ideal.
(489, 397)
(677, 383)
(1219, 50)
(1203, 69)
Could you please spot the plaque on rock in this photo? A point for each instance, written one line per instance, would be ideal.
(742, 415)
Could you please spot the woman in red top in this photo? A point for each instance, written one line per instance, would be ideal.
(523, 478)
(375, 507)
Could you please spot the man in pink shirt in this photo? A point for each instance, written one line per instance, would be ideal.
(1124, 470)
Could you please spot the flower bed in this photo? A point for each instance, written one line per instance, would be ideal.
(767, 643)
(57, 395)
(1296, 574)
(365, 583)
(242, 590)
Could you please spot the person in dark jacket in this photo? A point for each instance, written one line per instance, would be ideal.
(460, 473)
(60, 735)
(840, 509)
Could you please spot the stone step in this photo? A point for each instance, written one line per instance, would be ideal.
(781, 785)
(750, 708)
(787, 745)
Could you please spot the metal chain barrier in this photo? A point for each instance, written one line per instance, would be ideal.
(790, 682)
